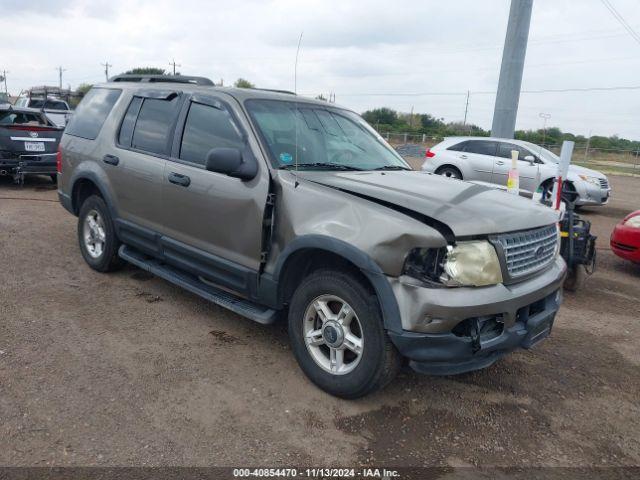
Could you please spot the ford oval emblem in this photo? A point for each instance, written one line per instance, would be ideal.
(33, 134)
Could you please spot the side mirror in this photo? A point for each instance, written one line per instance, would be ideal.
(531, 159)
(232, 162)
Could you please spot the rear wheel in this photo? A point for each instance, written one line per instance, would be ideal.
(96, 236)
(450, 172)
(338, 337)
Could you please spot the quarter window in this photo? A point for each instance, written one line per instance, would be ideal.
(93, 110)
(208, 127)
(152, 131)
(458, 147)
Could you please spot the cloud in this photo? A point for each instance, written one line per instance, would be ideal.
(350, 47)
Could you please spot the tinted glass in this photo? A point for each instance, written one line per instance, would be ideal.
(128, 122)
(92, 112)
(504, 151)
(458, 147)
(482, 147)
(55, 105)
(153, 128)
(207, 127)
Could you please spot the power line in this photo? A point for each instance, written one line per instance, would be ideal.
(492, 92)
(621, 20)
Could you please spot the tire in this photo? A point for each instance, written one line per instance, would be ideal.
(575, 278)
(450, 172)
(105, 258)
(54, 178)
(359, 374)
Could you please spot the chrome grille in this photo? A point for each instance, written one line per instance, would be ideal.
(529, 251)
(604, 183)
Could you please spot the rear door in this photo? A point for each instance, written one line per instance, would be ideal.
(136, 165)
(480, 156)
(526, 171)
(214, 221)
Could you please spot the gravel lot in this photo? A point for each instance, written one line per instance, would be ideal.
(125, 369)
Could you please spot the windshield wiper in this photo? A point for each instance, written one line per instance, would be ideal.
(322, 165)
(392, 167)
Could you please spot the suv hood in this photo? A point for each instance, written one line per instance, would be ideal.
(467, 209)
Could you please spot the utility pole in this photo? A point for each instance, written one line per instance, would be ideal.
(515, 48)
(60, 70)
(174, 64)
(4, 78)
(466, 109)
(546, 117)
(106, 66)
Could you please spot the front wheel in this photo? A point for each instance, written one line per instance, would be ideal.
(338, 337)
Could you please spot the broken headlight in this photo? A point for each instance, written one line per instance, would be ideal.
(473, 264)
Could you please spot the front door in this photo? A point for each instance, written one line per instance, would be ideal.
(213, 220)
(527, 169)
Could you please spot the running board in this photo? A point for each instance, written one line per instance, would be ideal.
(190, 282)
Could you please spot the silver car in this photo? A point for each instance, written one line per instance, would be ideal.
(276, 206)
(488, 159)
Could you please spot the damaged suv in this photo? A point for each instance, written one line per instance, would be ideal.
(274, 205)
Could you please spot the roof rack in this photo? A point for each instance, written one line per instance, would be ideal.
(288, 92)
(162, 79)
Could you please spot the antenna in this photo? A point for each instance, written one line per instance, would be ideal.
(295, 90)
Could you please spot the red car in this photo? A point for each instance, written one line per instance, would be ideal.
(625, 239)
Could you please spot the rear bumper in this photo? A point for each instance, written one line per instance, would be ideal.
(29, 164)
(439, 335)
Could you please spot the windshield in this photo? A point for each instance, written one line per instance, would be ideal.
(546, 155)
(320, 137)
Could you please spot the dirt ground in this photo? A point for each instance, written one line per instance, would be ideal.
(126, 369)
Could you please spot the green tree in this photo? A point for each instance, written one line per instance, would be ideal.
(384, 116)
(242, 83)
(83, 88)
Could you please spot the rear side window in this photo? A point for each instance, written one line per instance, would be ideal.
(93, 110)
(152, 131)
(481, 147)
(207, 127)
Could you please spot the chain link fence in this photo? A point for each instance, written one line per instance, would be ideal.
(607, 160)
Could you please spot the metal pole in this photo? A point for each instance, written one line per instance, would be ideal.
(4, 76)
(466, 109)
(515, 48)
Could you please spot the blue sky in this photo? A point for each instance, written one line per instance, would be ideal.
(369, 53)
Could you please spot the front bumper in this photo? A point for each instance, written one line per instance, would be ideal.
(450, 331)
(591, 194)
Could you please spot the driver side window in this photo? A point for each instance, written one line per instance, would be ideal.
(207, 127)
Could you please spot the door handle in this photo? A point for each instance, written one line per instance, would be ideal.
(499, 162)
(178, 179)
(111, 159)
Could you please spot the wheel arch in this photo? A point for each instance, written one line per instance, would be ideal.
(83, 186)
(310, 252)
(449, 165)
